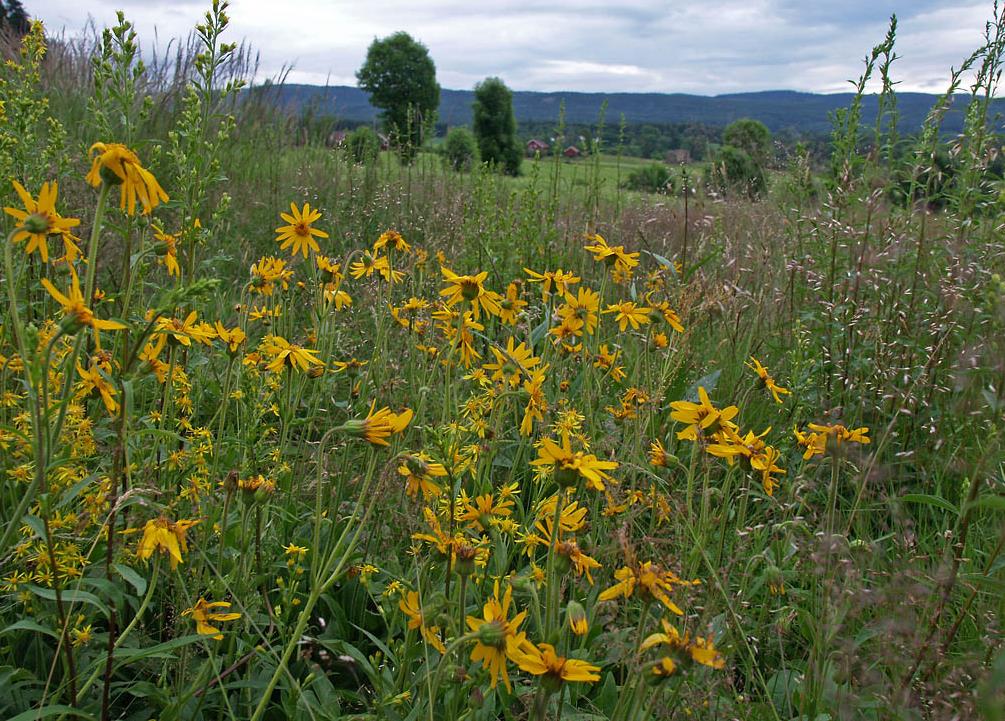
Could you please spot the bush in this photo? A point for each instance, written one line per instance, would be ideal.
(733, 170)
(652, 178)
(364, 145)
(460, 149)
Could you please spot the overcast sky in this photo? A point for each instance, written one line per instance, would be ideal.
(701, 46)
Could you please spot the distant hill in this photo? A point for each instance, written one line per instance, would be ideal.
(778, 109)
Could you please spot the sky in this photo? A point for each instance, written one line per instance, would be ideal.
(708, 47)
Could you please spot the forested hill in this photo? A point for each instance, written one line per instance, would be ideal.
(778, 109)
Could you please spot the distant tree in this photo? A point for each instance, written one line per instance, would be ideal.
(363, 144)
(752, 137)
(460, 149)
(495, 125)
(733, 170)
(400, 77)
(14, 17)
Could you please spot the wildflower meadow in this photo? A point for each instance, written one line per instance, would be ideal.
(284, 435)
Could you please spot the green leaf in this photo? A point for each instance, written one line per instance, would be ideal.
(26, 624)
(135, 580)
(125, 656)
(48, 711)
(72, 595)
(930, 500)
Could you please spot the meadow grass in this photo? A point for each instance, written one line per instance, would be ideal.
(404, 468)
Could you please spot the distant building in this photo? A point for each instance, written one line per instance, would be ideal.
(679, 156)
(571, 152)
(536, 146)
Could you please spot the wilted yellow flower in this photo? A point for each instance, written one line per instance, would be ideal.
(648, 580)
(166, 536)
(115, 164)
(409, 605)
(202, 613)
(766, 380)
(541, 660)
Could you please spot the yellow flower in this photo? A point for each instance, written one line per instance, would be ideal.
(185, 331)
(701, 417)
(169, 251)
(470, 288)
(700, 650)
(75, 310)
(576, 616)
(568, 466)
(826, 438)
(419, 470)
(39, 220)
(485, 512)
(233, 338)
(115, 164)
(558, 279)
(541, 660)
(537, 404)
(511, 306)
(612, 255)
(285, 354)
(512, 364)
(663, 311)
(647, 580)
(202, 613)
(629, 314)
(580, 312)
(392, 239)
(409, 604)
(379, 425)
(166, 536)
(299, 233)
(81, 636)
(497, 636)
(91, 380)
(267, 272)
(766, 380)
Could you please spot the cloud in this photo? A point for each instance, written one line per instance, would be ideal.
(717, 46)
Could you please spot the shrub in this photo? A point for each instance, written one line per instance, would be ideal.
(733, 170)
(651, 178)
(364, 145)
(460, 149)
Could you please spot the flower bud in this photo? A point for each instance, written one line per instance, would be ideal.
(36, 223)
(576, 616)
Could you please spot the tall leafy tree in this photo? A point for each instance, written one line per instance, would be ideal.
(495, 125)
(400, 77)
